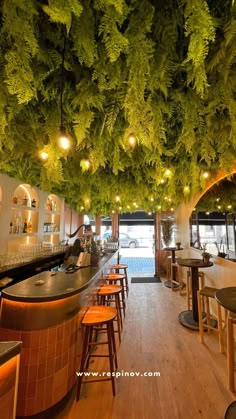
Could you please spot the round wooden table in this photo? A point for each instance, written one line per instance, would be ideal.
(172, 250)
(226, 297)
(189, 318)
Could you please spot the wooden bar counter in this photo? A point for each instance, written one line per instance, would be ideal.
(9, 373)
(44, 312)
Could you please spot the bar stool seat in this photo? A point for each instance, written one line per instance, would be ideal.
(113, 278)
(95, 317)
(108, 294)
(117, 268)
(206, 320)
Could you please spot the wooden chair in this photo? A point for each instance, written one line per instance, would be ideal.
(206, 319)
(113, 279)
(231, 365)
(107, 295)
(178, 284)
(121, 268)
(95, 317)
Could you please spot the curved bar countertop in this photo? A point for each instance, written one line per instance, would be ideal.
(54, 286)
(46, 318)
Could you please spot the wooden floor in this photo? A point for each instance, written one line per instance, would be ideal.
(193, 377)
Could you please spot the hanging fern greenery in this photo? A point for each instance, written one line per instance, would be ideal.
(163, 70)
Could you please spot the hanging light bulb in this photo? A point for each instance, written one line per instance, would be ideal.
(44, 155)
(205, 175)
(186, 189)
(85, 164)
(168, 172)
(64, 141)
(132, 140)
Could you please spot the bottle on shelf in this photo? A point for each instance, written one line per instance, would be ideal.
(25, 226)
(25, 201)
(11, 227)
(48, 204)
(29, 226)
(33, 203)
(15, 200)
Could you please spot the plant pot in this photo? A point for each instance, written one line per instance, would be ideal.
(206, 259)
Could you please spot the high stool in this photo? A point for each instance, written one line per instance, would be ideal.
(231, 321)
(113, 279)
(178, 278)
(203, 296)
(108, 294)
(98, 316)
(117, 268)
(168, 267)
(201, 276)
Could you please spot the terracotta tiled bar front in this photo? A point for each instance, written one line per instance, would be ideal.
(46, 318)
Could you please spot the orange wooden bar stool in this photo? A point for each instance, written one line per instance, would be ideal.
(113, 279)
(95, 317)
(118, 267)
(108, 294)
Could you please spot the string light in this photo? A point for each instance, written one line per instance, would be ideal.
(132, 140)
(117, 198)
(63, 141)
(205, 175)
(44, 155)
(168, 172)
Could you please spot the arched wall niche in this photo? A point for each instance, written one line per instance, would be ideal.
(212, 219)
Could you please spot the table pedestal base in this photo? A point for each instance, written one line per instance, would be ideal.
(168, 284)
(186, 319)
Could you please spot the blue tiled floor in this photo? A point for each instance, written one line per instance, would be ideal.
(138, 264)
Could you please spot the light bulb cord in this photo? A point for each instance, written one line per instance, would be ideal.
(62, 83)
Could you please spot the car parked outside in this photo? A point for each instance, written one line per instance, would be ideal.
(124, 239)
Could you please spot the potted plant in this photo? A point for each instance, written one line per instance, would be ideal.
(206, 256)
(167, 231)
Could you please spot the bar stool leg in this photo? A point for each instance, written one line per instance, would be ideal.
(220, 327)
(230, 353)
(83, 360)
(112, 353)
(119, 321)
(201, 331)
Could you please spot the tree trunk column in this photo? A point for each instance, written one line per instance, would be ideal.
(157, 243)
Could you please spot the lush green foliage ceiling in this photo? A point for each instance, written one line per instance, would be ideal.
(221, 197)
(161, 69)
